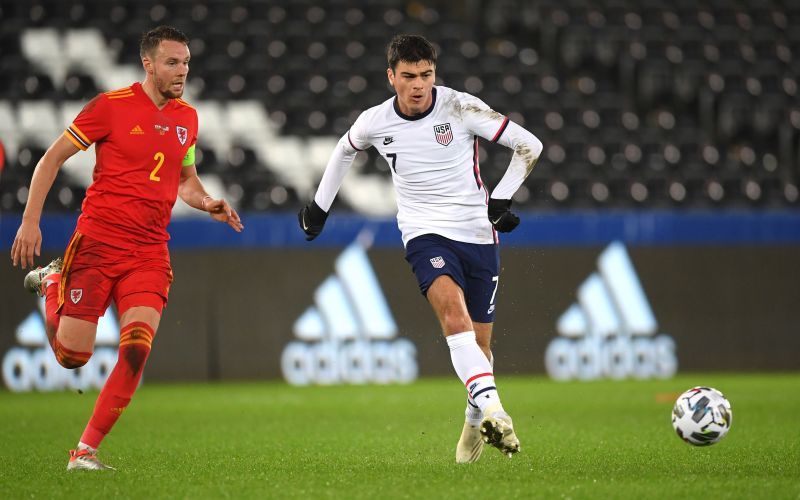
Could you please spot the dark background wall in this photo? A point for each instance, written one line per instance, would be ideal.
(231, 312)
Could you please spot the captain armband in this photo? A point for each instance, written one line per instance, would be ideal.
(188, 160)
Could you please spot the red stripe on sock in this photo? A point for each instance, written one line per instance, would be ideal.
(136, 333)
(138, 325)
(67, 357)
(487, 374)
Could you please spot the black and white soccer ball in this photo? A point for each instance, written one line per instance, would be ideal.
(702, 416)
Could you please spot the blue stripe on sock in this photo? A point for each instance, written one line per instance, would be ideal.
(490, 388)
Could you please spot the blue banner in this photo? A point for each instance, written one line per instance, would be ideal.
(563, 228)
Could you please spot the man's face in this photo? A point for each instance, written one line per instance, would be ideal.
(169, 65)
(413, 83)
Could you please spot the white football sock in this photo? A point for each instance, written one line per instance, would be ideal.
(474, 369)
(472, 412)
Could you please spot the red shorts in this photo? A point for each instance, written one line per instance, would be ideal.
(94, 273)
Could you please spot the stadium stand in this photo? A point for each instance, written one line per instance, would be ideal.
(648, 103)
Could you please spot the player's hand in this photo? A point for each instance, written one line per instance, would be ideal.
(501, 216)
(312, 220)
(27, 243)
(221, 211)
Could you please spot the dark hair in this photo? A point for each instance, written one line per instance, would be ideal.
(410, 48)
(155, 36)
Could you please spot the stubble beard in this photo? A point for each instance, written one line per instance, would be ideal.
(164, 89)
(169, 94)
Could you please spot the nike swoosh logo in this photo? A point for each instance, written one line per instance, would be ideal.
(387, 140)
(495, 221)
(305, 226)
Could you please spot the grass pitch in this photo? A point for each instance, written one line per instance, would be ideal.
(268, 440)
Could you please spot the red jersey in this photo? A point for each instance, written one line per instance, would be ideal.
(140, 151)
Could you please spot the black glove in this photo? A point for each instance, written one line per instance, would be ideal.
(501, 216)
(312, 219)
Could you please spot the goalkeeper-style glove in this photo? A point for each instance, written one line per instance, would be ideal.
(312, 219)
(501, 216)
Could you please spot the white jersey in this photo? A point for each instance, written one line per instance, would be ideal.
(434, 163)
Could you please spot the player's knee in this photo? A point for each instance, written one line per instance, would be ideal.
(71, 363)
(69, 358)
(72, 359)
(135, 342)
(455, 322)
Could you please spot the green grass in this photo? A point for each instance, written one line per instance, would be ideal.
(257, 440)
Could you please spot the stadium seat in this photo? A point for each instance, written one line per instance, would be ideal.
(39, 121)
(617, 91)
(87, 49)
(43, 48)
(10, 133)
(79, 85)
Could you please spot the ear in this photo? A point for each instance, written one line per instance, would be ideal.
(147, 64)
(390, 76)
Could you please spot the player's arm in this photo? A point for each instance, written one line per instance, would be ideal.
(28, 241)
(527, 149)
(489, 124)
(193, 193)
(312, 217)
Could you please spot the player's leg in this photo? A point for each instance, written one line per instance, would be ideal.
(140, 297)
(44, 282)
(481, 269)
(470, 443)
(137, 329)
(441, 276)
(72, 340)
(475, 371)
(474, 415)
(483, 336)
(73, 344)
(469, 360)
(70, 337)
(75, 298)
(447, 299)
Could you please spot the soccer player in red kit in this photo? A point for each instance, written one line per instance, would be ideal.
(144, 138)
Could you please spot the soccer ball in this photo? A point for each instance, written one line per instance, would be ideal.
(702, 416)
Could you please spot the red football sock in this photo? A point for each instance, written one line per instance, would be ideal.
(135, 341)
(52, 318)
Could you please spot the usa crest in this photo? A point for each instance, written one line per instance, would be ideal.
(437, 262)
(182, 134)
(75, 295)
(444, 134)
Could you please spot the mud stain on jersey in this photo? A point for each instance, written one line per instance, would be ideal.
(526, 156)
(459, 110)
(454, 106)
(481, 112)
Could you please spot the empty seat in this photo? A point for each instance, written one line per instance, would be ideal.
(39, 121)
(87, 48)
(43, 47)
(79, 85)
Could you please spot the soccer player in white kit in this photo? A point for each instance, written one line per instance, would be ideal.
(429, 136)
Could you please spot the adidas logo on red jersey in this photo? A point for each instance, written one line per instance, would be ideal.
(137, 130)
